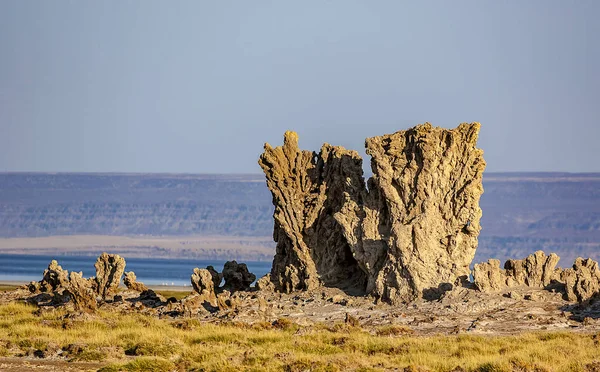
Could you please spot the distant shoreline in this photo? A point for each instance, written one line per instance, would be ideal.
(260, 249)
(172, 288)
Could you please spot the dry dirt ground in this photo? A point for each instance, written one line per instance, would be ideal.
(460, 310)
(20, 365)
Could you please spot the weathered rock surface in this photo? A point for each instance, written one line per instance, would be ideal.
(414, 229)
(265, 283)
(308, 190)
(216, 276)
(422, 210)
(202, 282)
(81, 293)
(489, 277)
(227, 301)
(580, 282)
(237, 277)
(54, 277)
(537, 270)
(130, 281)
(109, 269)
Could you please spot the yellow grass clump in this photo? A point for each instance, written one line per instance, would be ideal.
(135, 342)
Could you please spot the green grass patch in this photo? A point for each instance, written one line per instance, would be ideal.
(177, 294)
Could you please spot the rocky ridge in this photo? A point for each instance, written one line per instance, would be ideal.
(130, 281)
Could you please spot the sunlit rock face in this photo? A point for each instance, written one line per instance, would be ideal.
(412, 232)
(308, 190)
(109, 270)
(580, 282)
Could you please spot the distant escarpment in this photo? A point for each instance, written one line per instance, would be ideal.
(39, 204)
(410, 233)
(523, 213)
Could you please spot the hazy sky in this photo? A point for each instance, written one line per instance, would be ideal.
(199, 86)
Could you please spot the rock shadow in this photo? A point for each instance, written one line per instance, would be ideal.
(436, 293)
(148, 298)
(333, 257)
(581, 311)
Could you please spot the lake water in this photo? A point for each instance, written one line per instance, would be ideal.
(151, 271)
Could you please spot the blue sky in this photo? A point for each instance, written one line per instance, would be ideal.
(199, 86)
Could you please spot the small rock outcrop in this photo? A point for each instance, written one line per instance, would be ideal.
(580, 283)
(109, 269)
(265, 283)
(202, 282)
(54, 277)
(81, 293)
(236, 276)
(489, 277)
(414, 229)
(130, 281)
(537, 270)
(149, 298)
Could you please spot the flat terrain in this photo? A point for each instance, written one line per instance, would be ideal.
(214, 216)
(313, 332)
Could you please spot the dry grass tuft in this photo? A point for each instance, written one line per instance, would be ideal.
(394, 330)
(135, 342)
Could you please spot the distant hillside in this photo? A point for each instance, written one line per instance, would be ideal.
(123, 204)
(522, 212)
(555, 212)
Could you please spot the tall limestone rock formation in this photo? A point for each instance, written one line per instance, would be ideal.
(308, 189)
(418, 225)
(109, 270)
(411, 232)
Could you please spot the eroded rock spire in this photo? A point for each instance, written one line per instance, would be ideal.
(411, 232)
(419, 221)
(308, 189)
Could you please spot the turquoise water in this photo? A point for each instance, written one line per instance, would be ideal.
(151, 271)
